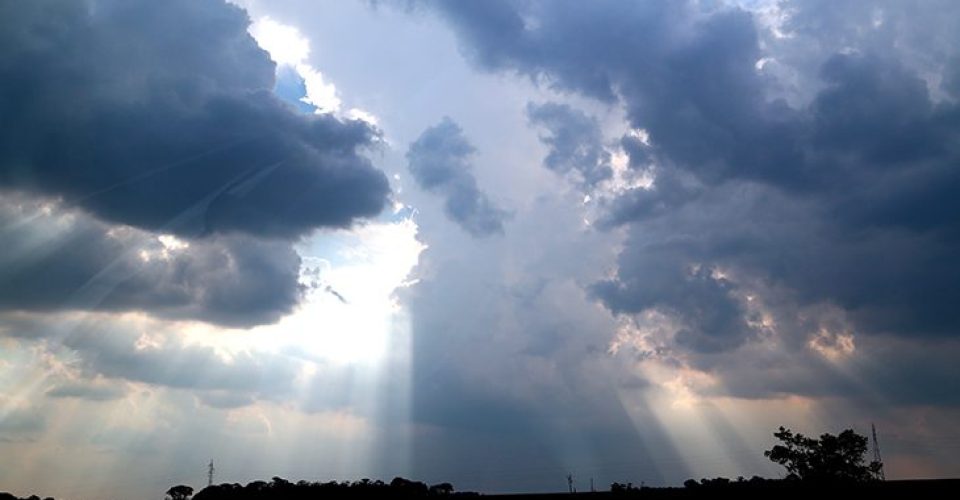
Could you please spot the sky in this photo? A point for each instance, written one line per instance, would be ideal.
(489, 243)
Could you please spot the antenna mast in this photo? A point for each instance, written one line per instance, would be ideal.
(876, 451)
(210, 471)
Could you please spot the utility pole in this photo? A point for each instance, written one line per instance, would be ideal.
(876, 451)
(210, 471)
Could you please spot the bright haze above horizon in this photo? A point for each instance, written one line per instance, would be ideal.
(481, 242)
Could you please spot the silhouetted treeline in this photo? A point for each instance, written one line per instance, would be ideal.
(760, 488)
(8, 496)
(740, 488)
(281, 489)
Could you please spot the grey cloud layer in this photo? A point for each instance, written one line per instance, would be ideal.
(160, 115)
(87, 390)
(439, 161)
(106, 350)
(21, 423)
(509, 358)
(60, 259)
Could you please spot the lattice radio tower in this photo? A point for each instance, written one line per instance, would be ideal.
(876, 451)
(210, 471)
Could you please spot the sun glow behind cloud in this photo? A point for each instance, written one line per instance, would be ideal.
(290, 48)
(350, 310)
(346, 345)
(349, 314)
(287, 47)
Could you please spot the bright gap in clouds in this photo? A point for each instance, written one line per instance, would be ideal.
(288, 47)
(350, 311)
(284, 43)
(349, 314)
(291, 50)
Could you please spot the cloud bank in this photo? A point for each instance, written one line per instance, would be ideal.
(160, 115)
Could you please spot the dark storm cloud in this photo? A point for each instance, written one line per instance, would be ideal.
(844, 195)
(575, 141)
(160, 115)
(59, 259)
(666, 280)
(687, 77)
(885, 373)
(439, 161)
(872, 152)
(671, 190)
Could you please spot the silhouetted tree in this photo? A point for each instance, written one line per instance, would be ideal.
(180, 492)
(408, 487)
(623, 488)
(441, 489)
(717, 481)
(830, 458)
